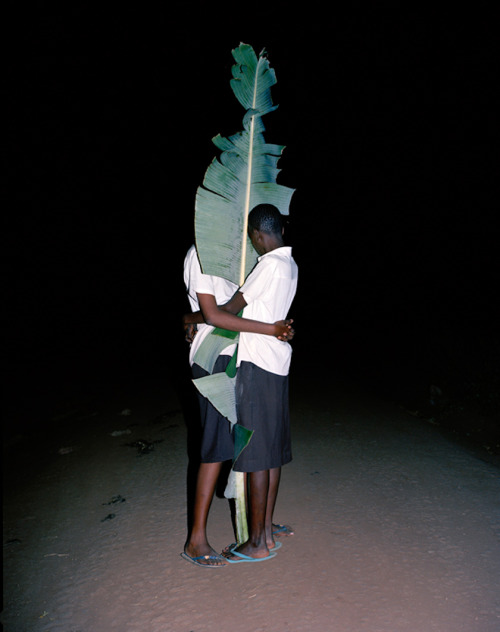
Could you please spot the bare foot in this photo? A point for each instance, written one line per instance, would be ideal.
(247, 550)
(203, 556)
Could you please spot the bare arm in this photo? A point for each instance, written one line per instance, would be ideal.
(234, 306)
(225, 318)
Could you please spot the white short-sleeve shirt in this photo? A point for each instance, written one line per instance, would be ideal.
(198, 283)
(269, 291)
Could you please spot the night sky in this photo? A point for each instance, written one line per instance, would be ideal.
(390, 126)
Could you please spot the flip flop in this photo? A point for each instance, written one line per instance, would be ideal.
(247, 558)
(282, 529)
(194, 560)
(230, 547)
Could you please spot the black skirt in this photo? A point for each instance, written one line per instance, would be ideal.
(217, 443)
(262, 405)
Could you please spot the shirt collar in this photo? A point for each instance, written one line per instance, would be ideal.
(284, 251)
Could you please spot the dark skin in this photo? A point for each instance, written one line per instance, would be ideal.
(262, 493)
(224, 316)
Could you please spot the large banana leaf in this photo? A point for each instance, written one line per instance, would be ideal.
(211, 348)
(244, 176)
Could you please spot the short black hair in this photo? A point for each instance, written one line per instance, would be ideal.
(266, 218)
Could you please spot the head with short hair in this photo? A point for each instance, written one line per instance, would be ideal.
(265, 218)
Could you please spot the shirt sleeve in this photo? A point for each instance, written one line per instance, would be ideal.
(198, 282)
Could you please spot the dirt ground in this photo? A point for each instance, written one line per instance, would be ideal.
(397, 528)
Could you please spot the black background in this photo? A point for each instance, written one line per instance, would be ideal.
(390, 125)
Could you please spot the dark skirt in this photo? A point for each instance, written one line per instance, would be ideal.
(217, 442)
(262, 406)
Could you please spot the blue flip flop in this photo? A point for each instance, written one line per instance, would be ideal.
(229, 549)
(247, 558)
(196, 562)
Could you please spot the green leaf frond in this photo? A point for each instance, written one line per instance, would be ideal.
(243, 176)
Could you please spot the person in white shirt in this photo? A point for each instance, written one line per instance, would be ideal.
(262, 380)
(204, 293)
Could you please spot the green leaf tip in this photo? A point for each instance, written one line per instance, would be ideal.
(244, 175)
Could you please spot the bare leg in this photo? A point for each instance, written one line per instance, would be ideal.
(197, 543)
(274, 482)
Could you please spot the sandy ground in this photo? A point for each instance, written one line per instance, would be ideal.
(396, 527)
